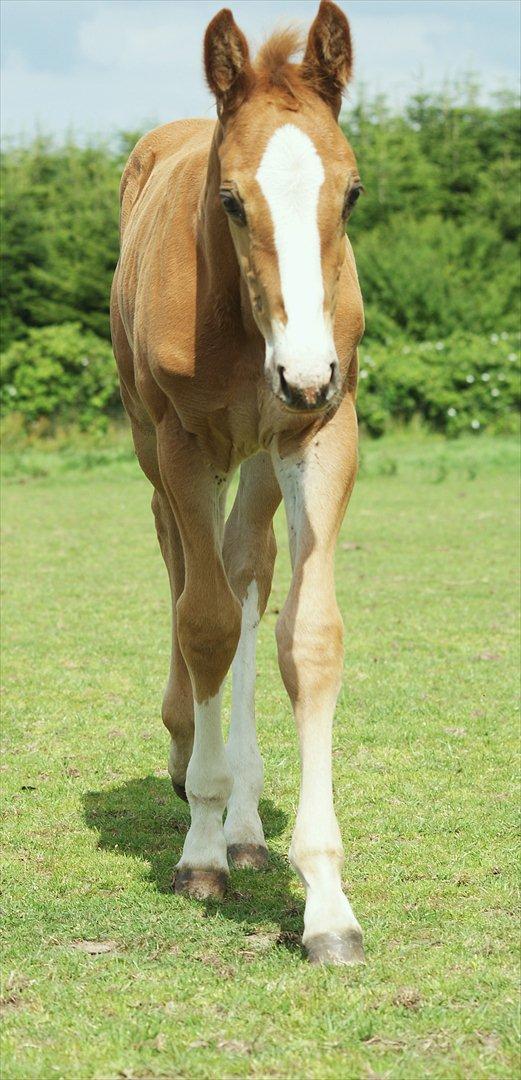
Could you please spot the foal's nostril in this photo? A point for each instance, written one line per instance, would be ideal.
(285, 389)
(334, 379)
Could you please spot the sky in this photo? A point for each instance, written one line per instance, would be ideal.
(95, 66)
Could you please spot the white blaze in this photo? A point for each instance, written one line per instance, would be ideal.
(290, 176)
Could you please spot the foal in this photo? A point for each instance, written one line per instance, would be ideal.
(236, 314)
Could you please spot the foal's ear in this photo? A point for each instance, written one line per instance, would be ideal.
(328, 60)
(229, 73)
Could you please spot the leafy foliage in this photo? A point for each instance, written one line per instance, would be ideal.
(59, 221)
(60, 372)
(465, 383)
(437, 237)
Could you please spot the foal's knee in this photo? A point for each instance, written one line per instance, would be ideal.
(208, 637)
(310, 650)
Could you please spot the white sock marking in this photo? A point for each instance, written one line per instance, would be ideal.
(208, 785)
(243, 825)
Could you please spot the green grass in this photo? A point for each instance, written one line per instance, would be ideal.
(425, 747)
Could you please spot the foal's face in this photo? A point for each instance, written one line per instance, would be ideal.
(289, 182)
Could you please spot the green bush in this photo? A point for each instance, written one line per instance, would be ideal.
(61, 373)
(464, 383)
(436, 236)
(428, 278)
(59, 221)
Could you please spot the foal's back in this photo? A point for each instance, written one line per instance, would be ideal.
(175, 153)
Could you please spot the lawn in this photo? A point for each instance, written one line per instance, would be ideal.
(424, 756)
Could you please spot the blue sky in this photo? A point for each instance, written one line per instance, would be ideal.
(98, 65)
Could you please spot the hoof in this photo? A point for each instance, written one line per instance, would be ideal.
(346, 948)
(249, 856)
(180, 790)
(200, 884)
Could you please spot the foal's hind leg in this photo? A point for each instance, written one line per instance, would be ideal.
(249, 556)
(178, 707)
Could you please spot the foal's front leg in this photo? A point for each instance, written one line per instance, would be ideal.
(208, 627)
(316, 485)
(249, 554)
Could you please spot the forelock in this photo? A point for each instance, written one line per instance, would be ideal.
(275, 64)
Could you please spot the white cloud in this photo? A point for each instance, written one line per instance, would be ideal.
(129, 36)
(135, 61)
(391, 50)
(93, 99)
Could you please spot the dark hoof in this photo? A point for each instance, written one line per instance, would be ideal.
(200, 884)
(180, 790)
(249, 856)
(346, 948)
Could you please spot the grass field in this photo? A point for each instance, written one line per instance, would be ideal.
(425, 748)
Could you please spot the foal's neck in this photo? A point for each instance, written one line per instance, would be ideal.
(227, 291)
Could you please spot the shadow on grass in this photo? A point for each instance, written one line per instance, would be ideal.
(145, 819)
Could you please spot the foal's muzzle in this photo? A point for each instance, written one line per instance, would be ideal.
(310, 398)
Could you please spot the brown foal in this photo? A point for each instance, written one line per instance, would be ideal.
(236, 315)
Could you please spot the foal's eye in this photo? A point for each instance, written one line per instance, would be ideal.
(351, 198)
(233, 207)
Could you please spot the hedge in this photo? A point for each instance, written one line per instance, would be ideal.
(464, 383)
(61, 373)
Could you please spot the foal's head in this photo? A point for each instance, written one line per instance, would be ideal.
(288, 184)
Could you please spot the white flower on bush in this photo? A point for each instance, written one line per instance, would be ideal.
(494, 338)
(495, 392)
(475, 424)
(470, 379)
(452, 411)
(363, 373)
(440, 346)
(85, 361)
(406, 349)
(485, 376)
(12, 391)
(512, 356)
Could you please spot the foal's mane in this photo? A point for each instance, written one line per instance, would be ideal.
(274, 63)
